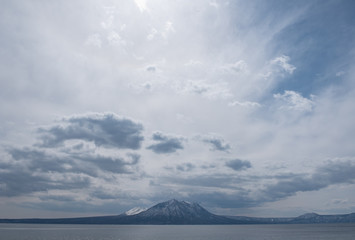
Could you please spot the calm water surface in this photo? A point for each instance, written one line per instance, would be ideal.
(205, 232)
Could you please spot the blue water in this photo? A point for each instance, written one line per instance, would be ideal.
(169, 232)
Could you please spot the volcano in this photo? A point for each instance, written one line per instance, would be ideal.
(178, 212)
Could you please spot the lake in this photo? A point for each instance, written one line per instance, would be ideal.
(176, 232)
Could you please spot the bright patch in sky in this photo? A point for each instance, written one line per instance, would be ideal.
(246, 107)
(141, 4)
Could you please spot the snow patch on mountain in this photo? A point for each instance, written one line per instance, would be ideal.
(134, 211)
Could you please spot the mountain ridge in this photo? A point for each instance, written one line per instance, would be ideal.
(185, 213)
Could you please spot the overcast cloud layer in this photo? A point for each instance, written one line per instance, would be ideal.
(246, 107)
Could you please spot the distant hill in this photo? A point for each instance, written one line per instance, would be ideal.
(181, 212)
(316, 218)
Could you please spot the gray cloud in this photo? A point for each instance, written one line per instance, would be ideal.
(108, 130)
(329, 174)
(106, 194)
(32, 169)
(215, 181)
(151, 69)
(35, 160)
(217, 144)
(186, 167)
(61, 198)
(41, 161)
(238, 165)
(78, 206)
(166, 144)
(101, 194)
(109, 164)
(241, 199)
(212, 190)
(241, 195)
(29, 170)
(17, 181)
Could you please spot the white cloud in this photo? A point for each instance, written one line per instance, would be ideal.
(340, 73)
(108, 22)
(168, 29)
(152, 34)
(218, 90)
(94, 40)
(244, 104)
(294, 101)
(115, 39)
(283, 62)
(184, 119)
(238, 67)
(193, 62)
(214, 4)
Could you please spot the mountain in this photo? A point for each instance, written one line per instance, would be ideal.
(316, 218)
(259, 220)
(181, 212)
(307, 218)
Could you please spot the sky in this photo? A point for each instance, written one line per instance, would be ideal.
(245, 107)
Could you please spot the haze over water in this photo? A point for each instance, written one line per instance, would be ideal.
(175, 232)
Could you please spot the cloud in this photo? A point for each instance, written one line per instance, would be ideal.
(41, 161)
(17, 181)
(114, 38)
(94, 40)
(79, 166)
(152, 34)
(108, 130)
(104, 194)
(339, 201)
(276, 69)
(283, 62)
(241, 199)
(141, 4)
(216, 143)
(213, 4)
(166, 144)
(230, 191)
(238, 67)
(110, 164)
(193, 63)
(329, 174)
(169, 28)
(151, 69)
(204, 182)
(186, 167)
(340, 73)
(41, 171)
(61, 198)
(238, 165)
(77, 206)
(215, 90)
(244, 104)
(295, 101)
